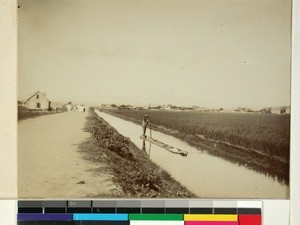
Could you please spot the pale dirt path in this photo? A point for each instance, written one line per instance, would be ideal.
(49, 164)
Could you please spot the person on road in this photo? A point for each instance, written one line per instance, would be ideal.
(145, 123)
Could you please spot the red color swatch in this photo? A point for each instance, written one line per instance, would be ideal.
(250, 219)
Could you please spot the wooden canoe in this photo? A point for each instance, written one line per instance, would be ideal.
(165, 146)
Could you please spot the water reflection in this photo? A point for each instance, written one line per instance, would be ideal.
(149, 151)
(144, 148)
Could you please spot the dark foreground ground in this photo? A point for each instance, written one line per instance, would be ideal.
(131, 168)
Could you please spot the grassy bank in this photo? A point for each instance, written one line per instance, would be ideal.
(257, 141)
(133, 171)
(24, 113)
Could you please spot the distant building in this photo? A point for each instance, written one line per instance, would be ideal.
(265, 110)
(21, 103)
(69, 106)
(80, 108)
(166, 107)
(106, 106)
(286, 110)
(38, 101)
(276, 110)
(56, 106)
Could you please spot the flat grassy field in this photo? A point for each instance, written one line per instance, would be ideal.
(259, 141)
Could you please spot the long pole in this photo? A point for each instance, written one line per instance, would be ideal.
(150, 129)
(150, 121)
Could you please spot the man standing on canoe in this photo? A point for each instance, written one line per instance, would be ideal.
(145, 123)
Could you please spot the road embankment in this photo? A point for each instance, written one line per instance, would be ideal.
(131, 168)
(50, 164)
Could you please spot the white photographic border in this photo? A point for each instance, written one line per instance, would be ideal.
(281, 212)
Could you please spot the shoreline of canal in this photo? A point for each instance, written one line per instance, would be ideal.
(249, 159)
(200, 172)
(132, 170)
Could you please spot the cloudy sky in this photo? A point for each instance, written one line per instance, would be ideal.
(212, 53)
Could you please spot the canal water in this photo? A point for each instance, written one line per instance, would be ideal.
(205, 175)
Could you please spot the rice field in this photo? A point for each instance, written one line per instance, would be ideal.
(267, 133)
(255, 138)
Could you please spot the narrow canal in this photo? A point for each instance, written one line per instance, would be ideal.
(205, 175)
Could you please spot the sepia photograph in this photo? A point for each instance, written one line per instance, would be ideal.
(154, 99)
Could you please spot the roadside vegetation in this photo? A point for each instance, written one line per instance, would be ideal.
(24, 113)
(132, 170)
(257, 141)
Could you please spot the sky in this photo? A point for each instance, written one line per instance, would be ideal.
(210, 53)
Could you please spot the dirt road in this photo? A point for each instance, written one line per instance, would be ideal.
(49, 164)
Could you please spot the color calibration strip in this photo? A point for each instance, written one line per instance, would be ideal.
(139, 212)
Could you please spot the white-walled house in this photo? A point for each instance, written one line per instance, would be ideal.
(38, 101)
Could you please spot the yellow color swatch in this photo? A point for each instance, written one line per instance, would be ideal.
(210, 217)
